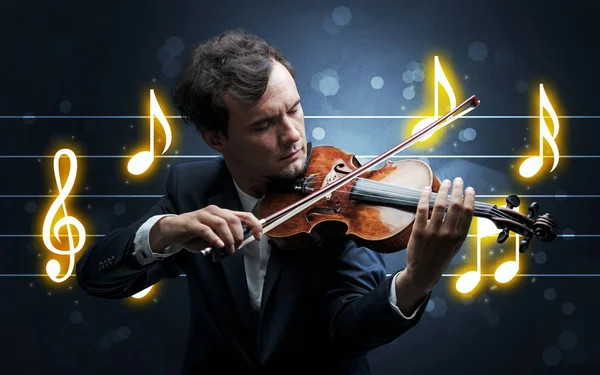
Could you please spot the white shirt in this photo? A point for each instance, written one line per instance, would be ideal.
(256, 256)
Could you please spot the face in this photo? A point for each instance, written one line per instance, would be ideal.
(266, 140)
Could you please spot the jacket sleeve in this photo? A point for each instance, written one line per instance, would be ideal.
(108, 268)
(360, 315)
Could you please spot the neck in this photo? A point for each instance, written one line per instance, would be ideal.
(402, 197)
(253, 189)
(248, 185)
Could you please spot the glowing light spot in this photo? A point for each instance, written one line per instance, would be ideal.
(318, 133)
(341, 15)
(377, 82)
(409, 94)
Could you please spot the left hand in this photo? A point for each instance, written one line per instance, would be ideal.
(434, 242)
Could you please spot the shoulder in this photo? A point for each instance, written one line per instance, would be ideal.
(198, 175)
(200, 168)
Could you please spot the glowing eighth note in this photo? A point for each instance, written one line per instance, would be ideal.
(53, 266)
(143, 293)
(439, 78)
(509, 269)
(467, 282)
(533, 164)
(140, 162)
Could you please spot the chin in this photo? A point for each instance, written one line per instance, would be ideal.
(291, 171)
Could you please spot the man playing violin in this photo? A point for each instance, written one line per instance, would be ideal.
(261, 309)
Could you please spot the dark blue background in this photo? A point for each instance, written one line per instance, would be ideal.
(74, 59)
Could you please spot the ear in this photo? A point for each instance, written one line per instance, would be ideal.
(214, 139)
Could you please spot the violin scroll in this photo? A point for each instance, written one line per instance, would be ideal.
(542, 227)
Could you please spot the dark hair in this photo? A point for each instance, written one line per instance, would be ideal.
(234, 63)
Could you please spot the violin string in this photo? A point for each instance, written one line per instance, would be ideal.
(481, 209)
(398, 192)
(409, 202)
(408, 191)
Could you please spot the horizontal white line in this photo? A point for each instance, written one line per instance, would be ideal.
(359, 156)
(308, 117)
(389, 274)
(102, 235)
(160, 195)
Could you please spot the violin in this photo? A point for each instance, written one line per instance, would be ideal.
(338, 197)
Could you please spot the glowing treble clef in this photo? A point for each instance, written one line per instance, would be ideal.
(53, 266)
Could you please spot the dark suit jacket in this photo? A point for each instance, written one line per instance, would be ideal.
(322, 308)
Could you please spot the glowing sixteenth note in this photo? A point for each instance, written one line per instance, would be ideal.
(439, 78)
(53, 267)
(141, 161)
(533, 164)
(467, 282)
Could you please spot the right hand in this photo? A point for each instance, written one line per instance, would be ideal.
(209, 226)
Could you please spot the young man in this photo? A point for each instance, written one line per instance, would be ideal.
(263, 310)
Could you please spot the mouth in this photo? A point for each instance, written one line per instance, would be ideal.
(291, 155)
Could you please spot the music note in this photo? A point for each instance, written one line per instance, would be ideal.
(142, 293)
(467, 282)
(509, 269)
(439, 78)
(141, 161)
(533, 164)
(53, 267)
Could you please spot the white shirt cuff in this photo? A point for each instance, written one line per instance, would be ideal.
(142, 251)
(394, 300)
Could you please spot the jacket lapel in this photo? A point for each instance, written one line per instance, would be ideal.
(235, 274)
(272, 322)
(233, 265)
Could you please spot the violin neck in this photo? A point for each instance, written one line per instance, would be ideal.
(403, 197)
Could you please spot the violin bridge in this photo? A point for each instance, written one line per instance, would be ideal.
(331, 176)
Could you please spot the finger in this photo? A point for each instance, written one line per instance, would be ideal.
(251, 222)
(468, 211)
(235, 226)
(220, 226)
(422, 210)
(455, 205)
(197, 230)
(439, 206)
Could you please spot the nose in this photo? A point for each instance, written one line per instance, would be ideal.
(290, 132)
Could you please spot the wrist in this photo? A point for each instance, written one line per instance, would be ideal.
(417, 281)
(159, 235)
(409, 292)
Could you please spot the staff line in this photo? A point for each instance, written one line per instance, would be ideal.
(388, 275)
(358, 156)
(34, 117)
(162, 195)
(28, 235)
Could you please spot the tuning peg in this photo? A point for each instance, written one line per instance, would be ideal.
(512, 201)
(534, 208)
(523, 246)
(502, 236)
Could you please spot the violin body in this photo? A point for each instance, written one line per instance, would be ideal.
(370, 214)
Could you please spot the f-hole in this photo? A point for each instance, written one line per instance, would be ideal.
(323, 211)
